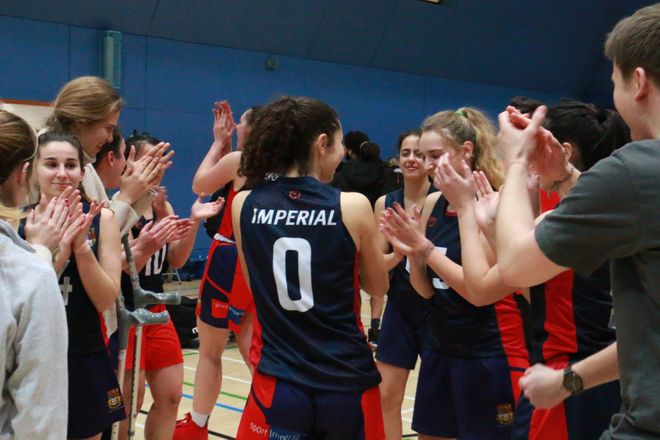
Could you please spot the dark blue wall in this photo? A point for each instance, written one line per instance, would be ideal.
(169, 88)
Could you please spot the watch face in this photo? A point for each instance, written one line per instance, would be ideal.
(572, 382)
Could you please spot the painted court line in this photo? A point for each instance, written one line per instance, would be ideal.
(235, 379)
(219, 405)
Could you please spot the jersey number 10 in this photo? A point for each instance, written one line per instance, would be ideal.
(303, 251)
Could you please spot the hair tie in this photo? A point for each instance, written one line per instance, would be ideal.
(460, 113)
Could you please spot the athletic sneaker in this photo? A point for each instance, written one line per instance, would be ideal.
(186, 429)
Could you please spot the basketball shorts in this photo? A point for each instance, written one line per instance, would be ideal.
(401, 335)
(465, 398)
(224, 296)
(160, 345)
(278, 409)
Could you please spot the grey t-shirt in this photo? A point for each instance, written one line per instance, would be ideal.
(613, 213)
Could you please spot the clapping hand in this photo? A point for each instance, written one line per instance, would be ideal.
(80, 230)
(201, 211)
(47, 222)
(459, 189)
(403, 231)
(223, 125)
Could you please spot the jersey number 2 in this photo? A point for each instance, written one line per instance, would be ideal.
(303, 252)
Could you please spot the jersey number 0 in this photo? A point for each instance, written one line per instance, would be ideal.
(303, 252)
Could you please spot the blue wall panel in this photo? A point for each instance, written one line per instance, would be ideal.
(84, 50)
(133, 71)
(169, 88)
(190, 136)
(34, 59)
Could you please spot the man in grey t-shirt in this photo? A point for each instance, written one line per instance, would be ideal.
(613, 213)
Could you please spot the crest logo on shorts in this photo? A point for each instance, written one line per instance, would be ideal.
(431, 222)
(114, 399)
(294, 195)
(504, 414)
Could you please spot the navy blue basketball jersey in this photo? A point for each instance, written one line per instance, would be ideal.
(302, 265)
(151, 275)
(400, 288)
(570, 313)
(83, 320)
(458, 328)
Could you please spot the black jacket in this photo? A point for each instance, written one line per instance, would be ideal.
(363, 177)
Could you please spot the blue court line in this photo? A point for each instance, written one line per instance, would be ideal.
(219, 405)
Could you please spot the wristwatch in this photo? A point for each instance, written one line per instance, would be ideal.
(572, 382)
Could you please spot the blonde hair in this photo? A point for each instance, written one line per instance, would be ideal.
(86, 99)
(18, 145)
(470, 124)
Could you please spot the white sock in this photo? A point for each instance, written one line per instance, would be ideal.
(199, 419)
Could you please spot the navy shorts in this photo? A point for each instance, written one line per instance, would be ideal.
(95, 401)
(278, 409)
(464, 398)
(584, 416)
(401, 335)
(224, 296)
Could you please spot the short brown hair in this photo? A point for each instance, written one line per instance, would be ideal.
(635, 42)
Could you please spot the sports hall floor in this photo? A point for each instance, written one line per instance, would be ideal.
(236, 383)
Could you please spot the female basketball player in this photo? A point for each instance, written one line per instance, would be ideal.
(161, 362)
(570, 313)
(468, 382)
(404, 322)
(303, 245)
(224, 300)
(90, 285)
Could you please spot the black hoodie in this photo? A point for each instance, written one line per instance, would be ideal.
(363, 177)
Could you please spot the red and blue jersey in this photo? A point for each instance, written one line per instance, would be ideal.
(302, 264)
(226, 228)
(570, 313)
(458, 328)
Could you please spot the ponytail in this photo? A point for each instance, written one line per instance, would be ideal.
(594, 132)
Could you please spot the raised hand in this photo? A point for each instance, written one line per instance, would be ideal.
(404, 232)
(459, 189)
(182, 229)
(223, 125)
(79, 243)
(154, 236)
(144, 173)
(543, 386)
(46, 223)
(551, 161)
(518, 142)
(201, 211)
(159, 203)
(487, 202)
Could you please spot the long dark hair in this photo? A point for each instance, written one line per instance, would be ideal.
(595, 132)
(282, 135)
